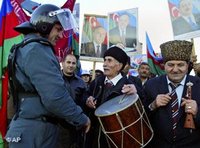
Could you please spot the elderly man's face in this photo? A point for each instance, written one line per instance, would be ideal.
(99, 35)
(111, 67)
(185, 7)
(123, 21)
(176, 70)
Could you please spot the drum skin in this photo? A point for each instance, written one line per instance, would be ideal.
(124, 122)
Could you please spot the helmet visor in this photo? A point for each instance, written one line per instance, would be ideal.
(66, 19)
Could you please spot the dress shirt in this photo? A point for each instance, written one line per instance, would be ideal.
(179, 89)
(114, 80)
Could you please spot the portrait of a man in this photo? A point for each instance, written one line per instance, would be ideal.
(94, 36)
(188, 20)
(124, 32)
(96, 48)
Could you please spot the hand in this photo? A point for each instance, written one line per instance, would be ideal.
(129, 89)
(162, 100)
(91, 102)
(190, 106)
(120, 45)
(87, 126)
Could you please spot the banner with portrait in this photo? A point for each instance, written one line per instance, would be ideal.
(123, 29)
(94, 37)
(185, 18)
(135, 61)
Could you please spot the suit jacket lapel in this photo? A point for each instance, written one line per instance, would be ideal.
(116, 90)
(91, 49)
(164, 88)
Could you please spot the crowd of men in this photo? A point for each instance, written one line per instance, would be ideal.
(55, 108)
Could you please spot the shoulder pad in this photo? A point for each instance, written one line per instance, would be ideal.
(39, 40)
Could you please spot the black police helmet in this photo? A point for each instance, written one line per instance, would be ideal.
(25, 28)
(42, 21)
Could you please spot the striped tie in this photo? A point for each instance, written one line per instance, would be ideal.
(108, 84)
(174, 106)
(123, 37)
(192, 24)
(98, 51)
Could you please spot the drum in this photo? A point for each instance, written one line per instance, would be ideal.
(124, 122)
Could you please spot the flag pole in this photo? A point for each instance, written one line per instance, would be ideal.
(93, 70)
(193, 53)
(193, 48)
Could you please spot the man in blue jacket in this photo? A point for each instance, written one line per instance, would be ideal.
(43, 94)
(107, 87)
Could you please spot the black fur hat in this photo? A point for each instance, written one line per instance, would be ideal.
(118, 54)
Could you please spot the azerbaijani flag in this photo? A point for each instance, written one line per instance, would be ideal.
(70, 43)
(155, 62)
(1, 141)
(11, 15)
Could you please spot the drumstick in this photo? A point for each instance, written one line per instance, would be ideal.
(84, 139)
(122, 99)
(97, 94)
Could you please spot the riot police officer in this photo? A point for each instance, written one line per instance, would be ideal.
(42, 93)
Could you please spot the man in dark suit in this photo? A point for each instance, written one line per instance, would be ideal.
(187, 21)
(70, 136)
(161, 99)
(96, 48)
(124, 33)
(115, 60)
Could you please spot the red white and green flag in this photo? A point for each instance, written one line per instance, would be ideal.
(70, 42)
(11, 15)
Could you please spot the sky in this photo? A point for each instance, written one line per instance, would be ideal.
(153, 18)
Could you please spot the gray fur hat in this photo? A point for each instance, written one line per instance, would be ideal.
(176, 50)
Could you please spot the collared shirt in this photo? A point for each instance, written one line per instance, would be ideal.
(192, 18)
(143, 82)
(122, 31)
(115, 79)
(179, 89)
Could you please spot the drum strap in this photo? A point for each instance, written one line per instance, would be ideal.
(100, 137)
(106, 93)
